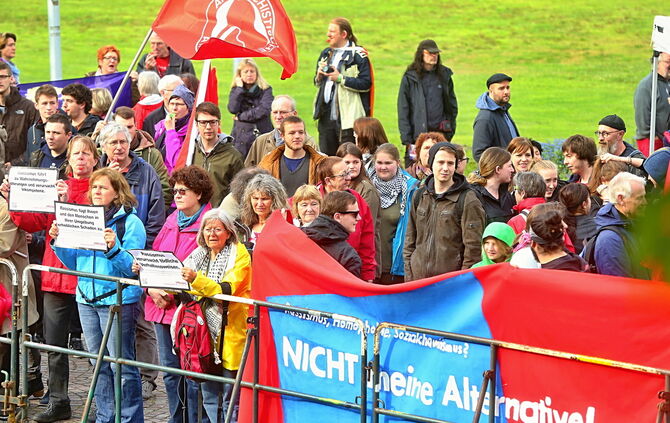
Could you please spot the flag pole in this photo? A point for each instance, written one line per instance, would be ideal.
(127, 75)
(654, 93)
(200, 97)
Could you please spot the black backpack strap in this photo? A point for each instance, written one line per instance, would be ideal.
(101, 296)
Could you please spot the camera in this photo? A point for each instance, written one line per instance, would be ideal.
(326, 68)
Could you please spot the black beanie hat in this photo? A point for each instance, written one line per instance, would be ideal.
(437, 147)
(613, 121)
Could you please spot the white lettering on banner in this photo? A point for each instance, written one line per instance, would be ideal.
(321, 362)
(465, 398)
(408, 386)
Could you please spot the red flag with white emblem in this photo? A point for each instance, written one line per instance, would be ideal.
(208, 29)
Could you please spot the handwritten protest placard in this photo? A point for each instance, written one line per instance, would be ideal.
(33, 189)
(80, 226)
(160, 269)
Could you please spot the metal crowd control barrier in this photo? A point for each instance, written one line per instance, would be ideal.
(21, 403)
(489, 376)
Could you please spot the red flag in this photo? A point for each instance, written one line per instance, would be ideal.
(209, 29)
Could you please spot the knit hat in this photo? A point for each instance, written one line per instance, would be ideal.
(436, 147)
(429, 45)
(497, 78)
(656, 165)
(613, 121)
(501, 231)
(185, 94)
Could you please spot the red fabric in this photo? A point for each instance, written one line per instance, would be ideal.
(643, 145)
(142, 111)
(33, 222)
(204, 29)
(518, 222)
(162, 64)
(212, 90)
(5, 304)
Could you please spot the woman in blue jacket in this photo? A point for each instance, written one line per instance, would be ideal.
(123, 231)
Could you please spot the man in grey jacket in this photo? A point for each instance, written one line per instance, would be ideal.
(642, 101)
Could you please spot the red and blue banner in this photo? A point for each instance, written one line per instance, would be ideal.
(613, 318)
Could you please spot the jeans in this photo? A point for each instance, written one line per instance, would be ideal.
(94, 322)
(58, 310)
(174, 384)
(146, 347)
(213, 392)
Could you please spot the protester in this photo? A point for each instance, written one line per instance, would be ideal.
(497, 241)
(58, 289)
(171, 131)
(190, 81)
(537, 150)
(101, 101)
(150, 98)
(331, 229)
(46, 102)
(521, 150)
(368, 135)
(420, 169)
(344, 78)
(491, 181)
(282, 107)
(214, 151)
(163, 60)
(108, 188)
(610, 133)
(493, 126)
(581, 226)
(306, 205)
(334, 176)
(396, 188)
(77, 103)
(608, 171)
(18, 116)
(656, 166)
(166, 87)
(462, 159)
(529, 191)
(426, 98)
(109, 58)
(8, 52)
(263, 195)
(580, 157)
(549, 172)
(642, 103)
(220, 265)
(446, 220)
(232, 203)
(192, 190)
(250, 102)
(52, 154)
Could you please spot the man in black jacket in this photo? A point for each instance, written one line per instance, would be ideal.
(17, 115)
(426, 99)
(163, 60)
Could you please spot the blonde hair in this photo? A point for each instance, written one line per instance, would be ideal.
(543, 165)
(491, 159)
(90, 145)
(101, 100)
(260, 81)
(304, 193)
(124, 196)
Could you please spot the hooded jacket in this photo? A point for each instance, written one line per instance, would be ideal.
(500, 231)
(518, 222)
(438, 240)
(490, 127)
(35, 138)
(614, 255)
(497, 210)
(20, 114)
(412, 115)
(115, 262)
(222, 164)
(172, 142)
(87, 127)
(144, 146)
(252, 108)
(331, 236)
(59, 162)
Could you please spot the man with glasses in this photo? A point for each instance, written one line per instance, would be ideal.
(642, 102)
(283, 106)
(163, 60)
(611, 145)
(17, 115)
(331, 229)
(293, 162)
(166, 87)
(214, 151)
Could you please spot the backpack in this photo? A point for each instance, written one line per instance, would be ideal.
(589, 251)
(192, 342)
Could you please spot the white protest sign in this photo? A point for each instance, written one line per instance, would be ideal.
(33, 189)
(81, 227)
(160, 269)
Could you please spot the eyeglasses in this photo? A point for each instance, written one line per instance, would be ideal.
(466, 160)
(204, 123)
(215, 230)
(180, 191)
(352, 212)
(111, 58)
(342, 175)
(604, 133)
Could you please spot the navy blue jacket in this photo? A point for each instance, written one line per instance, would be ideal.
(490, 128)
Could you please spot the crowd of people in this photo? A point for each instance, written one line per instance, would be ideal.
(387, 215)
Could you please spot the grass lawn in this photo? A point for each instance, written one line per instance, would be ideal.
(573, 62)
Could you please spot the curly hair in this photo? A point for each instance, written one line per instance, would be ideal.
(196, 179)
(81, 94)
(268, 185)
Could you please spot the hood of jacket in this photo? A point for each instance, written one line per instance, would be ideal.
(325, 230)
(13, 97)
(222, 140)
(484, 102)
(460, 184)
(608, 215)
(123, 212)
(141, 141)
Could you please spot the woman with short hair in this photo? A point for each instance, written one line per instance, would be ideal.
(307, 203)
(521, 149)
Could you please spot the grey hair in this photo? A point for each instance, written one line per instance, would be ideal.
(285, 97)
(241, 180)
(266, 184)
(531, 183)
(226, 221)
(109, 130)
(168, 80)
(621, 185)
(147, 82)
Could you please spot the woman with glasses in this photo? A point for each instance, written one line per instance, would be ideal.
(263, 195)
(109, 58)
(192, 190)
(250, 102)
(171, 131)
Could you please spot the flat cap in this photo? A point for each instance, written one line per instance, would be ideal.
(497, 78)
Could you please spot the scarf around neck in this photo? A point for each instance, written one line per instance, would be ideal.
(390, 190)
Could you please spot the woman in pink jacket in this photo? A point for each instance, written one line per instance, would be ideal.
(192, 189)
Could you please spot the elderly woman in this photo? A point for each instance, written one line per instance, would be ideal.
(420, 169)
(250, 102)
(150, 99)
(220, 265)
(124, 231)
(307, 203)
(171, 131)
(263, 195)
(192, 189)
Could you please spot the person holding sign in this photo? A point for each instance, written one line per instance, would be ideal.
(124, 231)
(221, 265)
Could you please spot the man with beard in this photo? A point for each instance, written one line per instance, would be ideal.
(611, 145)
(293, 162)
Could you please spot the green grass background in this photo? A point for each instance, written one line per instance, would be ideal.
(573, 62)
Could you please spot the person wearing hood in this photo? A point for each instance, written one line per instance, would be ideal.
(493, 125)
(215, 152)
(331, 229)
(123, 231)
(446, 220)
(497, 243)
(171, 131)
